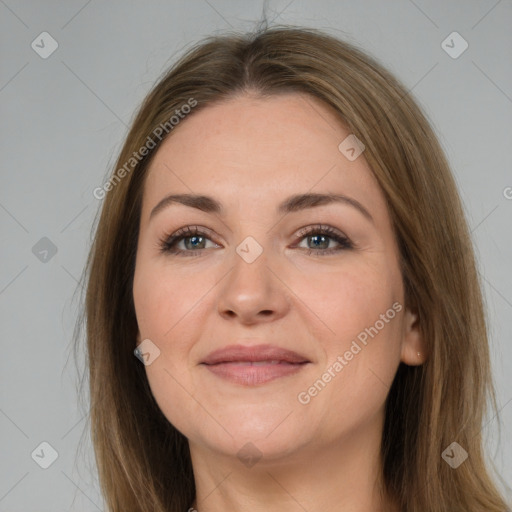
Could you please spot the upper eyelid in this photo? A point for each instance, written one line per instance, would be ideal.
(299, 232)
(318, 228)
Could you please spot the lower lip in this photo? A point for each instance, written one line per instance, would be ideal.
(252, 375)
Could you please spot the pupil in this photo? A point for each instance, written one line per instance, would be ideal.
(193, 240)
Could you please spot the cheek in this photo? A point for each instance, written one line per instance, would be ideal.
(164, 297)
(348, 300)
(173, 307)
(159, 306)
(362, 308)
(164, 305)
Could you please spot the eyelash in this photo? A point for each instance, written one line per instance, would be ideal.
(168, 243)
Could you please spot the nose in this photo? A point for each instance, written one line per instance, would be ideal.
(253, 292)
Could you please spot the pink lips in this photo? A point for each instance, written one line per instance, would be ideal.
(253, 365)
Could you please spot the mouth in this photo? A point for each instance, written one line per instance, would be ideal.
(251, 366)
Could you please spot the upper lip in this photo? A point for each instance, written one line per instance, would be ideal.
(254, 353)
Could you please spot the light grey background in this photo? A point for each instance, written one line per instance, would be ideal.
(63, 122)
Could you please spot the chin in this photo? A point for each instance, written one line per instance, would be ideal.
(260, 436)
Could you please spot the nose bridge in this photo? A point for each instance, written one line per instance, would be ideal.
(253, 238)
(251, 288)
(251, 275)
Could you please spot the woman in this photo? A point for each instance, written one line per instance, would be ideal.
(282, 246)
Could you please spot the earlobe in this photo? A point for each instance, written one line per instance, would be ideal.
(414, 349)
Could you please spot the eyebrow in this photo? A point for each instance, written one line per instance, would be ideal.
(294, 203)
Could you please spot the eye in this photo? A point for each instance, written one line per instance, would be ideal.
(193, 237)
(320, 237)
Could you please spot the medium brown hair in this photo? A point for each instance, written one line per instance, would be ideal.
(143, 461)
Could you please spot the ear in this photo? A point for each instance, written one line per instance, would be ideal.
(412, 341)
(138, 338)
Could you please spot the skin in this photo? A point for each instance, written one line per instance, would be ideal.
(250, 154)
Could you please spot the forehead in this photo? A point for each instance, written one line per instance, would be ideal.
(259, 149)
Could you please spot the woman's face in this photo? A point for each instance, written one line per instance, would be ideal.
(257, 272)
